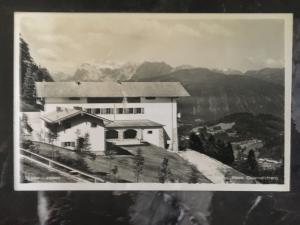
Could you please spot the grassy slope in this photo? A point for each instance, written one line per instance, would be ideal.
(153, 159)
(153, 155)
(42, 175)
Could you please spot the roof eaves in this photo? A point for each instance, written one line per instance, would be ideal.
(154, 125)
(72, 115)
(98, 117)
(46, 119)
(145, 126)
(60, 119)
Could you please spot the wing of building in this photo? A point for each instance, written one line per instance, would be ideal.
(124, 113)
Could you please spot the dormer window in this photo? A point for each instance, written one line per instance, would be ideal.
(150, 98)
(124, 100)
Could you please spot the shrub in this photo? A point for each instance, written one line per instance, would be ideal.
(26, 144)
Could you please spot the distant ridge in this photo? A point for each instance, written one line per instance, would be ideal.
(214, 93)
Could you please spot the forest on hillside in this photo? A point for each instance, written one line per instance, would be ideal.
(30, 72)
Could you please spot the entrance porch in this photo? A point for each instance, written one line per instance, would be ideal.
(125, 136)
(135, 132)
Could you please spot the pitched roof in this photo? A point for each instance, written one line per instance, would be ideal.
(110, 89)
(133, 123)
(66, 113)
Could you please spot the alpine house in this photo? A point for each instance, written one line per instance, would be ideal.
(125, 113)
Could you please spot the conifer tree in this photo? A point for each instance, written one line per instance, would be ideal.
(211, 139)
(115, 172)
(52, 135)
(195, 142)
(226, 155)
(86, 145)
(139, 164)
(252, 163)
(230, 155)
(29, 92)
(194, 175)
(164, 170)
(25, 58)
(25, 124)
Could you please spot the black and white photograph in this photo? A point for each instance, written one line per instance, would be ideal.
(137, 101)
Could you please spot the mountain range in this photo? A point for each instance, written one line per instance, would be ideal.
(99, 72)
(214, 93)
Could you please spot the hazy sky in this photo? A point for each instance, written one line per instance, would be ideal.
(61, 42)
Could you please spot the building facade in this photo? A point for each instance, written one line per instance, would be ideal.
(134, 112)
(71, 126)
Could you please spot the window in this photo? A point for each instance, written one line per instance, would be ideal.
(149, 132)
(120, 110)
(150, 98)
(93, 124)
(139, 111)
(111, 134)
(100, 110)
(130, 110)
(130, 134)
(106, 111)
(74, 98)
(109, 111)
(67, 125)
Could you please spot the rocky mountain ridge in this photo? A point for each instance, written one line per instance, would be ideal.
(214, 93)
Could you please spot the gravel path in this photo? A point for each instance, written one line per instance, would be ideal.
(215, 170)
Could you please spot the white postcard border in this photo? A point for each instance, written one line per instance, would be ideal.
(288, 23)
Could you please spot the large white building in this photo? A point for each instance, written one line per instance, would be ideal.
(126, 113)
